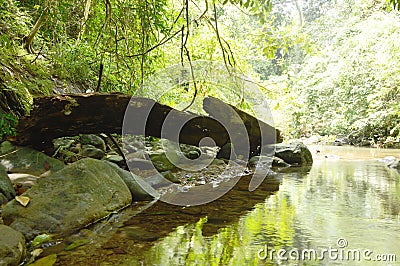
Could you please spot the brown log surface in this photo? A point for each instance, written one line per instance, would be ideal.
(73, 114)
(258, 132)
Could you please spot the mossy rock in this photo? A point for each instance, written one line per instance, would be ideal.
(12, 246)
(6, 187)
(29, 161)
(293, 153)
(74, 197)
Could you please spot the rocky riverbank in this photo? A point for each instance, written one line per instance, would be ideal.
(84, 181)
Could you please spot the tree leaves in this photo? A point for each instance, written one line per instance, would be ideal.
(395, 4)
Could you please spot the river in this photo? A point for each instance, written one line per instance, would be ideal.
(342, 211)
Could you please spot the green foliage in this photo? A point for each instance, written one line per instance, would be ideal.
(395, 4)
(350, 87)
(8, 123)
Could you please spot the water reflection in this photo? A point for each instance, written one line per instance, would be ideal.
(357, 201)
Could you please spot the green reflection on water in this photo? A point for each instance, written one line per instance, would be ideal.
(354, 200)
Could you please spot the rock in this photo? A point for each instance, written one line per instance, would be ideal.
(339, 142)
(278, 162)
(29, 161)
(23, 182)
(193, 155)
(294, 153)
(140, 164)
(115, 159)
(6, 147)
(161, 162)
(137, 155)
(218, 162)
(139, 189)
(189, 151)
(3, 198)
(331, 156)
(12, 246)
(93, 140)
(395, 164)
(157, 181)
(91, 151)
(267, 162)
(80, 194)
(65, 143)
(6, 187)
(138, 234)
(170, 176)
(225, 152)
(261, 161)
(388, 160)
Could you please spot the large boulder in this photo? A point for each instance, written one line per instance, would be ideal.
(12, 246)
(79, 194)
(7, 191)
(29, 161)
(293, 153)
(139, 188)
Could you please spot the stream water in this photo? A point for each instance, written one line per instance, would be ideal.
(342, 211)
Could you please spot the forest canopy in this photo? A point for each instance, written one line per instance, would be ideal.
(328, 67)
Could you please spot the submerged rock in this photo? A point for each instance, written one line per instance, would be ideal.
(294, 153)
(29, 161)
(12, 246)
(79, 194)
(7, 191)
(161, 162)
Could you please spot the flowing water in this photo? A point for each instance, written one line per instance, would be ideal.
(342, 211)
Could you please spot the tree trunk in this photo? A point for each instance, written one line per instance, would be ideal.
(85, 19)
(28, 40)
(70, 115)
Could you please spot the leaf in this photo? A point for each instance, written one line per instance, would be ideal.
(24, 201)
(41, 239)
(36, 252)
(46, 261)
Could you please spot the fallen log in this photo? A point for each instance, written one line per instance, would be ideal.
(260, 133)
(73, 114)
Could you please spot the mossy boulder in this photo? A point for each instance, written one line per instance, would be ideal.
(29, 161)
(139, 188)
(7, 191)
(79, 194)
(294, 153)
(12, 246)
